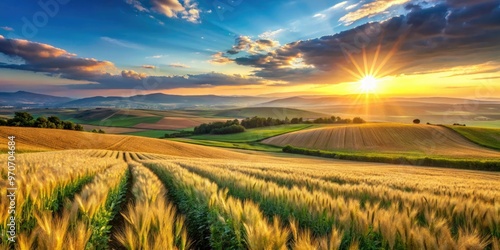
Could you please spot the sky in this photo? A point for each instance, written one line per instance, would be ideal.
(251, 47)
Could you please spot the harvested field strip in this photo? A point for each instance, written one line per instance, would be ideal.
(46, 139)
(396, 138)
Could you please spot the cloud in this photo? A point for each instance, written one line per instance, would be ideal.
(44, 58)
(137, 5)
(134, 80)
(352, 6)
(7, 28)
(271, 34)
(178, 65)
(149, 66)
(369, 9)
(245, 43)
(336, 6)
(39, 57)
(121, 43)
(155, 57)
(319, 15)
(169, 8)
(424, 39)
(133, 75)
(186, 9)
(487, 78)
(220, 58)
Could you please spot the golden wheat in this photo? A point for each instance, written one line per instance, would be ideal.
(151, 223)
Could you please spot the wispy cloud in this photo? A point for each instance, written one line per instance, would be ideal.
(319, 15)
(271, 34)
(137, 5)
(7, 28)
(155, 56)
(121, 43)
(178, 65)
(487, 78)
(370, 9)
(352, 6)
(336, 6)
(149, 66)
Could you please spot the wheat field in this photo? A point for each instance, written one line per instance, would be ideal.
(386, 137)
(38, 139)
(100, 199)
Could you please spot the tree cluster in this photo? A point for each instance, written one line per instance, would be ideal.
(257, 122)
(25, 119)
(228, 127)
(338, 120)
(179, 134)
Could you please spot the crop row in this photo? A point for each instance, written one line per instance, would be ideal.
(150, 222)
(394, 220)
(44, 181)
(84, 222)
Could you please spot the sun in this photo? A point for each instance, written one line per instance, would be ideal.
(368, 84)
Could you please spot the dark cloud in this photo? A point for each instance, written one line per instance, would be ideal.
(220, 58)
(133, 80)
(450, 34)
(245, 43)
(39, 57)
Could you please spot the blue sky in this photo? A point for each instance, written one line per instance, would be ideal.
(191, 45)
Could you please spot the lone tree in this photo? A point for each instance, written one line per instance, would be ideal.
(416, 121)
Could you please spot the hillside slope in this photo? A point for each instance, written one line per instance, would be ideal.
(37, 139)
(386, 138)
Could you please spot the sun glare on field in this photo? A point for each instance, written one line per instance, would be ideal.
(368, 84)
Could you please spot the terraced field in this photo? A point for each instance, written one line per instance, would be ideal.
(97, 199)
(387, 138)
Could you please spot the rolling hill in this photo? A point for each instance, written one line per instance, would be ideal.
(37, 139)
(28, 99)
(164, 101)
(274, 112)
(387, 138)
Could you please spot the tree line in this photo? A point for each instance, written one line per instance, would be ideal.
(219, 128)
(25, 119)
(235, 126)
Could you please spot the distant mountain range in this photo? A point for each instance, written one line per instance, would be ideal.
(28, 99)
(23, 99)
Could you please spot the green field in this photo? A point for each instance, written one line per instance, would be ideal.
(487, 137)
(237, 145)
(250, 139)
(255, 134)
(157, 133)
(120, 120)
